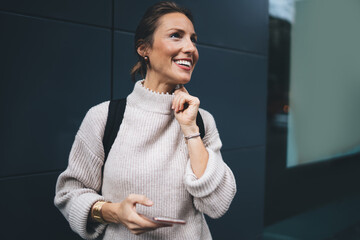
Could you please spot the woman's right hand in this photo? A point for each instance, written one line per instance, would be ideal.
(125, 213)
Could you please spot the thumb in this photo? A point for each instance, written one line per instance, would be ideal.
(141, 199)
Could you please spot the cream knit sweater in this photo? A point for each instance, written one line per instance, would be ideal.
(149, 157)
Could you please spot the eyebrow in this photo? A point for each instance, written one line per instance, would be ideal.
(182, 31)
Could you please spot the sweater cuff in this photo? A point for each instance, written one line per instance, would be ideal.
(210, 180)
(78, 218)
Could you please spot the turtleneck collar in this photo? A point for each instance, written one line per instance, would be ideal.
(149, 100)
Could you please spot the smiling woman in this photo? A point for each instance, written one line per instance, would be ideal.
(149, 158)
(168, 52)
(173, 55)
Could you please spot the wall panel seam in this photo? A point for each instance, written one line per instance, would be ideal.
(112, 50)
(207, 45)
(33, 174)
(59, 20)
(243, 148)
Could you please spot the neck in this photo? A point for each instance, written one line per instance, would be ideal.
(158, 86)
(148, 100)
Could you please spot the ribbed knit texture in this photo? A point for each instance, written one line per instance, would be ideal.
(149, 157)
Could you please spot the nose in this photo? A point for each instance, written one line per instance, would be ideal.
(189, 46)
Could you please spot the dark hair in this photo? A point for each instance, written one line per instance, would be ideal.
(146, 28)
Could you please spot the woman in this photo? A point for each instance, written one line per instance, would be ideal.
(150, 170)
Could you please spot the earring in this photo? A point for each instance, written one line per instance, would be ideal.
(146, 58)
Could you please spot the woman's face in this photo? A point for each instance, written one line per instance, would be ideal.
(173, 54)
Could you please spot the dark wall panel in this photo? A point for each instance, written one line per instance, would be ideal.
(244, 219)
(85, 11)
(124, 59)
(240, 25)
(29, 211)
(230, 85)
(53, 73)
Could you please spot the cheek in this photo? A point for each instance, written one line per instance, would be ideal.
(172, 51)
(196, 56)
(165, 53)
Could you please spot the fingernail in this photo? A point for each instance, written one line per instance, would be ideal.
(149, 202)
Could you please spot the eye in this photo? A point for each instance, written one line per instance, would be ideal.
(194, 39)
(175, 35)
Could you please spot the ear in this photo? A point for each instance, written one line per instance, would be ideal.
(143, 50)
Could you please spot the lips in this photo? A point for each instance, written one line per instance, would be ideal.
(184, 63)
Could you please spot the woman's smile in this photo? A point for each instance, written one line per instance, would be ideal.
(184, 63)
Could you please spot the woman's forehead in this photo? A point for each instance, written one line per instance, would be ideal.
(172, 21)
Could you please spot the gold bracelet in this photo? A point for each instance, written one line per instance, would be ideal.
(96, 213)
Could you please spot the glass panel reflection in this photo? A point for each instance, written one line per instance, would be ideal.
(314, 79)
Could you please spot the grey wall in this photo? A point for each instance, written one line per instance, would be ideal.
(57, 60)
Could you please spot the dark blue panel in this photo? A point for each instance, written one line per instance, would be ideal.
(85, 11)
(51, 74)
(124, 60)
(232, 86)
(244, 219)
(240, 25)
(30, 213)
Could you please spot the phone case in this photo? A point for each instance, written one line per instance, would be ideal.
(169, 220)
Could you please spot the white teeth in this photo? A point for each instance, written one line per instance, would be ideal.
(184, 62)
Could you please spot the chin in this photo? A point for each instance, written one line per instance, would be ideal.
(184, 80)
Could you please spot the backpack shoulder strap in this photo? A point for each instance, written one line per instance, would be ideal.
(200, 123)
(114, 119)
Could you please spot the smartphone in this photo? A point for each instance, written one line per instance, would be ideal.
(169, 220)
(165, 220)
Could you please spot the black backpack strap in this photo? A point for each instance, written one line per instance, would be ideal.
(200, 124)
(114, 119)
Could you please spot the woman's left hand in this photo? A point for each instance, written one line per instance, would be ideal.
(186, 108)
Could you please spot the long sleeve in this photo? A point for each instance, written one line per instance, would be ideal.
(214, 191)
(78, 187)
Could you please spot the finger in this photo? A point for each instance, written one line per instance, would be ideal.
(177, 98)
(193, 101)
(145, 223)
(139, 231)
(151, 220)
(178, 102)
(137, 227)
(174, 102)
(141, 199)
(182, 103)
(186, 100)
